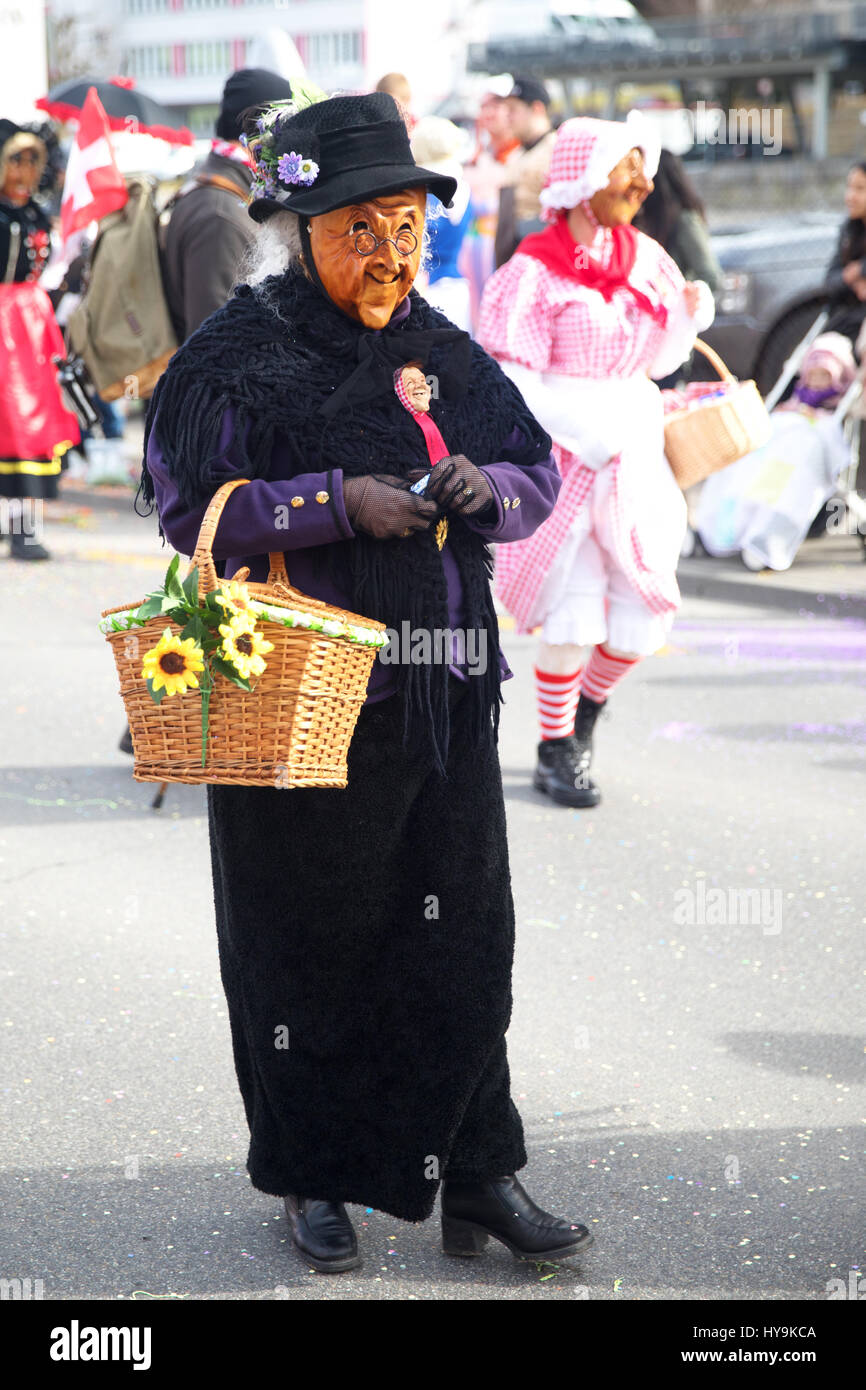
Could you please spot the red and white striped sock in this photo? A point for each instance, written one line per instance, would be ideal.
(603, 671)
(557, 702)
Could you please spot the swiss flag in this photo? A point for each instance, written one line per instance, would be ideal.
(94, 185)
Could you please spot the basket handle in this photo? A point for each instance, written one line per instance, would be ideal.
(715, 360)
(202, 556)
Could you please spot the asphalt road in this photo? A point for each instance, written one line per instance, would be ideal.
(687, 1056)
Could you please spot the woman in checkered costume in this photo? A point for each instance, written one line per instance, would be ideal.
(582, 317)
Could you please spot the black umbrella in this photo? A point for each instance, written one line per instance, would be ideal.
(126, 108)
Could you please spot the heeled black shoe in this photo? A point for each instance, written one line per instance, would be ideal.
(502, 1208)
(323, 1234)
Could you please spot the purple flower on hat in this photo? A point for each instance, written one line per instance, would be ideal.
(296, 168)
(289, 167)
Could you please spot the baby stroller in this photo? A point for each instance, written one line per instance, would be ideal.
(804, 481)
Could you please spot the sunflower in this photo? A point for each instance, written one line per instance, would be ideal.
(244, 647)
(235, 598)
(173, 663)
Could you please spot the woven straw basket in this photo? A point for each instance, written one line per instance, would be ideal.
(705, 438)
(293, 729)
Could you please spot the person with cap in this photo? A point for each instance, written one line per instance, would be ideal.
(36, 429)
(582, 317)
(209, 230)
(437, 143)
(375, 922)
(519, 207)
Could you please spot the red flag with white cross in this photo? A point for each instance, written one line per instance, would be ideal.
(94, 185)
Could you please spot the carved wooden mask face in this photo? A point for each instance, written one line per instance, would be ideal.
(370, 287)
(627, 187)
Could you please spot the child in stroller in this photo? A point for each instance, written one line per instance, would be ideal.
(763, 505)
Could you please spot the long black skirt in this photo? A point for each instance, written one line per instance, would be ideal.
(366, 938)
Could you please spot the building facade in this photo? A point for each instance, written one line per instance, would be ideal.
(181, 51)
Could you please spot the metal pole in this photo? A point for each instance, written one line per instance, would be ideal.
(820, 112)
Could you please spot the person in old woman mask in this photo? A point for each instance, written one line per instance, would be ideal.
(376, 923)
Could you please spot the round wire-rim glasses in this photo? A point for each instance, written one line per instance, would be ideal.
(404, 243)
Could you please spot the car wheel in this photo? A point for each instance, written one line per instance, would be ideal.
(780, 342)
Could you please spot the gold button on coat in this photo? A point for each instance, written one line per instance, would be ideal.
(297, 501)
(322, 496)
(506, 502)
(515, 502)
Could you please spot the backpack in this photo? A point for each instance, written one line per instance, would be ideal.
(122, 326)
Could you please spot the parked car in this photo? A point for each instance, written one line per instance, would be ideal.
(602, 21)
(606, 22)
(770, 294)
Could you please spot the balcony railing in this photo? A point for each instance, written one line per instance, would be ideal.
(779, 34)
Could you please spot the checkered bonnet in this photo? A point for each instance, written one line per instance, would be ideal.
(585, 151)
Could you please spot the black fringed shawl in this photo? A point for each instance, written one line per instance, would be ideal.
(276, 353)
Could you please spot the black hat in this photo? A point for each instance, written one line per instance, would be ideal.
(529, 89)
(245, 88)
(341, 150)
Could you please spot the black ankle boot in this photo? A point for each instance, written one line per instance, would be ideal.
(23, 545)
(563, 773)
(501, 1208)
(585, 719)
(323, 1234)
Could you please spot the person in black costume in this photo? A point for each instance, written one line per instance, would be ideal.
(376, 923)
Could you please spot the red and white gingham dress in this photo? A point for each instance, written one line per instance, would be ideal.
(623, 520)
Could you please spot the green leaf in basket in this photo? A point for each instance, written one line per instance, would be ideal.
(156, 695)
(225, 668)
(174, 607)
(151, 608)
(190, 586)
(173, 585)
(195, 629)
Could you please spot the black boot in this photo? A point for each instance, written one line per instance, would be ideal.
(584, 725)
(24, 546)
(323, 1233)
(500, 1207)
(563, 772)
(125, 744)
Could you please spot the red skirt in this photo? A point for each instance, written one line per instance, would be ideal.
(36, 429)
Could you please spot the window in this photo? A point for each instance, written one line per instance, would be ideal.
(334, 50)
(209, 59)
(152, 61)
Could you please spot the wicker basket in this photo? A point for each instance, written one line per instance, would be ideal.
(292, 730)
(701, 440)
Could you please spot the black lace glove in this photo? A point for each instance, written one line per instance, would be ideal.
(458, 486)
(383, 506)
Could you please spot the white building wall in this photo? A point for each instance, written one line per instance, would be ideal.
(23, 72)
(345, 44)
